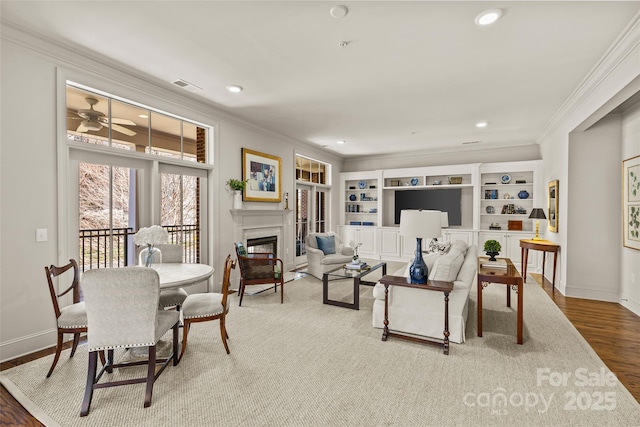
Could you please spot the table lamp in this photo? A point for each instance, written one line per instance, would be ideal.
(537, 214)
(419, 224)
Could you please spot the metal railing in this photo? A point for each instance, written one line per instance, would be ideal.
(95, 243)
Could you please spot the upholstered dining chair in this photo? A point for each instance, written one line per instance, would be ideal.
(204, 307)
(122, 310)
(259, 268)
(171, 253)
(71, 319)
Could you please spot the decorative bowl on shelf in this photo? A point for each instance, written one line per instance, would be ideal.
(414, 181)
(362, 184)
(523, 194)
(352, 197)
(490, 209)
(437, 182)
(505, 179)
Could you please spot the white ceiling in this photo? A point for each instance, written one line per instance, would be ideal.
(414, 76)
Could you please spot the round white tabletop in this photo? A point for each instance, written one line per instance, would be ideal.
(175, 275)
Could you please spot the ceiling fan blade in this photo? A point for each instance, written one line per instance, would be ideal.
(123, 122)
(122, 129)
(81, 128)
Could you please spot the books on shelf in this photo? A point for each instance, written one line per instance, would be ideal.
(499, 263)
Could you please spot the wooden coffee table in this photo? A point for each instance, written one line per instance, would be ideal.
(344, 273)
(507, 276)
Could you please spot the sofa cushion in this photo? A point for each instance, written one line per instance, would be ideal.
(438, 247)
(327, 244)
(447, 266)
(461, 245)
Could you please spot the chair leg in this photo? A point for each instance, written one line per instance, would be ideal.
(109, 361)
(223, 333)
(175, 328)
(151, 372)
(91, 376)
(185, 333)
(281, 292)
(76, 340)
(241, 292)
(57, 356)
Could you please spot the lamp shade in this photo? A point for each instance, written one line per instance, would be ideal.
(537, 213)
(420, 223)
(445, 220)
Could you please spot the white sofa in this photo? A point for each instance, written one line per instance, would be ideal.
(318, 262)
(421, 312)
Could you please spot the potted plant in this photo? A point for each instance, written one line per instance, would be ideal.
(492, 248)
(237, 186)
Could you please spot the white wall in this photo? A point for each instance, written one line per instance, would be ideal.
(630, 265)
(28, 174)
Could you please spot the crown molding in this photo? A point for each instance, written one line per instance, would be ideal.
(624, 45)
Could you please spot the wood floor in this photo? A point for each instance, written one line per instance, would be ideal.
(608, 327)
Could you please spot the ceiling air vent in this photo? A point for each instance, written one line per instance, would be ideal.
(186, 85)
(471, 142)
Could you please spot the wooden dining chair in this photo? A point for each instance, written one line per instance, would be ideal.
(204, 307)
(260, 268)
(70, 319)
(122, 309)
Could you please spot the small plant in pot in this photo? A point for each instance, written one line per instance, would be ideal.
(236, 184)
(492, 248)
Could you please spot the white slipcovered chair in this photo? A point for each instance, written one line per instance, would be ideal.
(320, 261)
(122, 309)
(170, 253)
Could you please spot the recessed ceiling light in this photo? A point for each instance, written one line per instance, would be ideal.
(342, 141)
(234, 88)
(488, 17)
(481, 124)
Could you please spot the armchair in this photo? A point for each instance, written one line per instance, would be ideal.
(326, 258)
(259, 269)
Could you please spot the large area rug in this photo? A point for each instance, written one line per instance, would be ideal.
(303, 363)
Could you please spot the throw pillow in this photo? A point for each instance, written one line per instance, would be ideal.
(438, 247)
(447, 266)
(327, 244)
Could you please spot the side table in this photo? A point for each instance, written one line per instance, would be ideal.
(431, 285)
(539, 245)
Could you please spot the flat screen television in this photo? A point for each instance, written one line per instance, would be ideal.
(445, 200)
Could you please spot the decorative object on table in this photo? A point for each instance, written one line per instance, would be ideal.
(490, 194)
(353, 245)
(523, 194)
(362, 185)
(514, 225)
(492, 248)
(237, 186)
(455, 180)
(630, 203)
(537, 214)
(420, 224)
(352, 197)
(263, 175)
(151, 236)
(437, 182)
(505, 179)
(490, 210)
(552, 195)
(414, 181)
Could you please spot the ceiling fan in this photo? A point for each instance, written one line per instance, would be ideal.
(93, 120)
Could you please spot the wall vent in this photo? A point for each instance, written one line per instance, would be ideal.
(471, 142)
(186, 85)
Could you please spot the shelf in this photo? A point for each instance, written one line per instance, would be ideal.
(499, 214)
(530, 184)
(426, 187)
(361, 213)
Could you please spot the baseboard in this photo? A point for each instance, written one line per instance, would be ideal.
(29, 344)
(594, 294)
(632, 305)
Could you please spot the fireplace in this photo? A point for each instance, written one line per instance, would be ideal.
(263, 244)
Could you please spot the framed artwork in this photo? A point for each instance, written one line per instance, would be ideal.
(552, 209)
(631, 202)
(263, 173)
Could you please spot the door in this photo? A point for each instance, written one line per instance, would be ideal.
(303, 218)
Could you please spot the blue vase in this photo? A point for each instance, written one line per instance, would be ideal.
(418, 271)
(524, 194)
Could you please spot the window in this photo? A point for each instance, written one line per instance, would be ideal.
(117, 193)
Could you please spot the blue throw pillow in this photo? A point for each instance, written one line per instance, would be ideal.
(326, 244)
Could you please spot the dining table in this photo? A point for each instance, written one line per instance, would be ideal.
(177, 275)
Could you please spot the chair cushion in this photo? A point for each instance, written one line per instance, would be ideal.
(73, 316)
(202, 305)
(447, 266)
(172, 297)
(327, 244)
(336, 259)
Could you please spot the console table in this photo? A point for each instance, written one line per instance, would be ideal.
(539, 245)
(431, 285)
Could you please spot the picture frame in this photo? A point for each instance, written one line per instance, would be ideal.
(263, 173)
(552, 205)
(631, 203)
